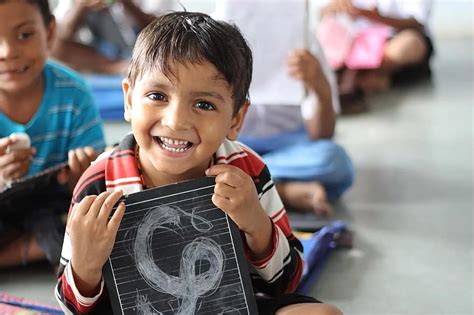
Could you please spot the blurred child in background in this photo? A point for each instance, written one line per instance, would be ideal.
(292, 133)
(54, 107)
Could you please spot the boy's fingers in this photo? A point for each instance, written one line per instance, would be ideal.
(72, 160)
(116, 218)
(90, 152)
(4, 143)
(220, 202)
(94, 209)
(83, 207)
(15, 170)
(108, 205)
(82, 158)
(217, 169)
(230, 179)
(63, 176)
(22, 155)
(224, 190)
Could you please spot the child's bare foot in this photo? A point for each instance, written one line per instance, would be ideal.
(372, 82)
(305, 196)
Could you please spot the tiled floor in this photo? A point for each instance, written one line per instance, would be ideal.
(410, 208)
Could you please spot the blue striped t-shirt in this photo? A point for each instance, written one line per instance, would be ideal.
(67, 118)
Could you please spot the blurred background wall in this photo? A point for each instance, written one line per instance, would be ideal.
(450, 19)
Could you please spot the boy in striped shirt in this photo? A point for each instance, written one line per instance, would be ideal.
(186, 95)
(54, 107)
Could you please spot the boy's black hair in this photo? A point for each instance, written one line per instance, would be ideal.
(194, 37)
(43, 6)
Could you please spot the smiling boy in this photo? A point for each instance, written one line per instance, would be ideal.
(186, 96)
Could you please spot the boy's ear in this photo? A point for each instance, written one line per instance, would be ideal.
(237, 122)
(51, 33)
(127, 100)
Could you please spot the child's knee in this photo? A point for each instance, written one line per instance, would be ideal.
(309, 309)
(408, 46)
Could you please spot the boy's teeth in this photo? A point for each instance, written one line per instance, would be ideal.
(173, 142)
(174, 145)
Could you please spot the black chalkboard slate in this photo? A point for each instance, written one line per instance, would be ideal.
(176, 253)
(23, 189)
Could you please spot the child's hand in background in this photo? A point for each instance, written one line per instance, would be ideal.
(78, 160)
(303, 66)
(92, 236)
(93, 5)
(13, 163)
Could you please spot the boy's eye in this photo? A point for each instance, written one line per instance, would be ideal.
(156, 97)
(205, 105)
(24, 35)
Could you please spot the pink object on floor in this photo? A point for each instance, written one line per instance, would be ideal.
(368, 48)
(355, 49)
(335, 39)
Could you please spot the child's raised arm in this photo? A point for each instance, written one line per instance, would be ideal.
(303, 66)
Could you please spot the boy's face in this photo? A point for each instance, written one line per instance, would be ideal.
(179, 122)
(24, 45)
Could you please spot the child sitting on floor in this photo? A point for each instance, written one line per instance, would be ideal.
(54, 107)
(293, 135)
(186, 96)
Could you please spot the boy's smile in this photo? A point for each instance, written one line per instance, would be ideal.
(11, 73)
(175, 146)
(179, 121)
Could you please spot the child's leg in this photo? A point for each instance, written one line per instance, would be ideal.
(310, 165)
(305, 196)
(293, 303)
(406, 48)
(39, 231)
(22, 250)
(309, 309)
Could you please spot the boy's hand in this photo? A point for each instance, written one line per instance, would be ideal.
(235, 193)
(14, 164)
(371, 14)
(93, 5)
(303, 66)
(92, 236)
(78, 160)
(338, 6)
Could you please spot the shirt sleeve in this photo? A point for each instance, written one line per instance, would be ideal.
(66, 292)
(70, 299)
(281, 271)
(418, 9)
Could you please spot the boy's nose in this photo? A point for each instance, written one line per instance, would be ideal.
(175, 117)
(7, 51)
